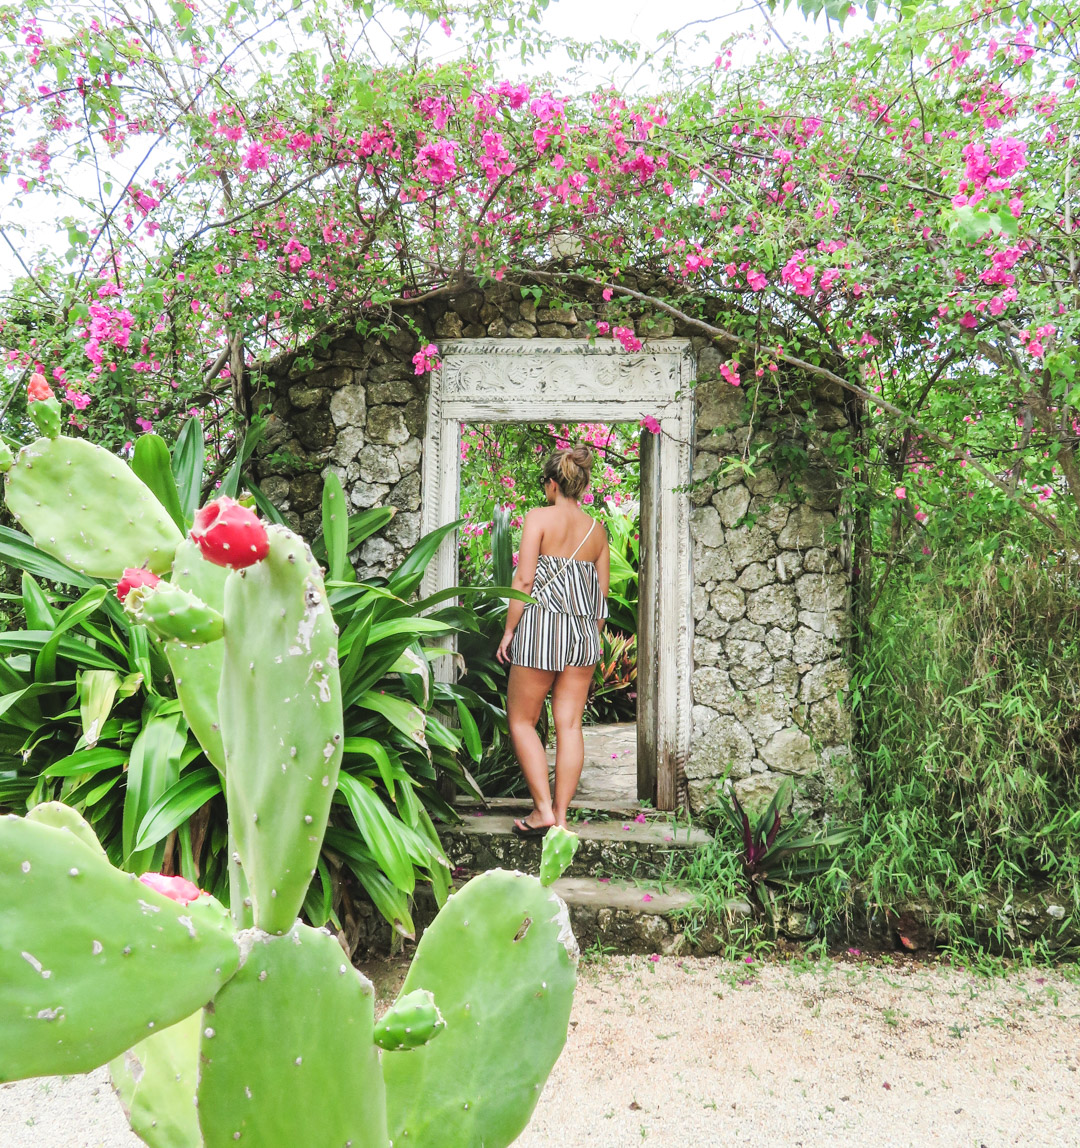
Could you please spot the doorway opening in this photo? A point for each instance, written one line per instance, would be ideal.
(500, 479)
(572, 382)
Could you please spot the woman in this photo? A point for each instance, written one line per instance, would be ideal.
(563, 564)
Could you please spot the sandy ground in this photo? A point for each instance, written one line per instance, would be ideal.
(697, 1053)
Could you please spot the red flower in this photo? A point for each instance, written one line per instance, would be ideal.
(229, 534)
(135, 576)
(175, 888)
(38, 390)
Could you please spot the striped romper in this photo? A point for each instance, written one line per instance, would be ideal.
(561, 629)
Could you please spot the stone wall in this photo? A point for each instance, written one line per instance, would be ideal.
(771, 605)
(771, 601)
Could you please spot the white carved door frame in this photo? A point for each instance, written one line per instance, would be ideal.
(573, 381)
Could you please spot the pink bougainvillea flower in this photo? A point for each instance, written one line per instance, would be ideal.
(650, 424)
(641, 819)
(646, 897)
(175, 888)
(655, 957)
(426, 359)
(628, 339)
(900, 492)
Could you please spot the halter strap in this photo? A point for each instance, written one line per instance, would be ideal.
(583, 541)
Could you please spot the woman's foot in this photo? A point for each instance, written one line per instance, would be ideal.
(534, 825)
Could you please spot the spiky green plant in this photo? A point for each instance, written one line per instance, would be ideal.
(103, 964)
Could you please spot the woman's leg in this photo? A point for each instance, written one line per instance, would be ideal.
(567, 708)
(525, 696)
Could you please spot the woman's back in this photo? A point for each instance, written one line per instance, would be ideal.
(565, 527)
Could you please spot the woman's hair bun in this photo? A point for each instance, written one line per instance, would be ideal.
(571, 468)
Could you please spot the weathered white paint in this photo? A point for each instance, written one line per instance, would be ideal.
(570, 380)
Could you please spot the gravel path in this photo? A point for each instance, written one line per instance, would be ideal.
(688, 1054)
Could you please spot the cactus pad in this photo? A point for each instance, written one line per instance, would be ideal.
(560, 845)
(109, 961)
(85, 506)
(61, 816)
(281, 722)
(412, 1021)
(197, 669)
(287, 1056)
(500, 960)
(174, 614)
(156, 1081)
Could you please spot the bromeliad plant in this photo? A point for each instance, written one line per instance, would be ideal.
(254, 1029)
(776, 855)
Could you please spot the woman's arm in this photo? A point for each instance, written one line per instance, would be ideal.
(528, 553)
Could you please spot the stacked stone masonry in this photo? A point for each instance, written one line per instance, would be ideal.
(771, 599)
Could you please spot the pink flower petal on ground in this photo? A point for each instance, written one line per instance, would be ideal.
(655, 957)
(647, 897)
(604, 880)
(668, 837)
(627, 828)
(640, 819)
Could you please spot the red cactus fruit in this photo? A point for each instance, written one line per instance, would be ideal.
(229, 534)
(135, 576)
(175, 888)
(38, 388)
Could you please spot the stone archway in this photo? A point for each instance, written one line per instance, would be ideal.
(570, 380)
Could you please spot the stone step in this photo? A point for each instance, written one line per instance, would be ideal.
(623, 916)
(608, 847)
(519, 806)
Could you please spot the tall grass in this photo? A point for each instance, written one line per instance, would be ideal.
(966, 691)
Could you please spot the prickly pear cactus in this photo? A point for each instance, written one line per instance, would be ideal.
(287, 1056)
(500, 960)
(85, 506)
(156, 1083)
(560, 845)
(61, 816)
(411, 1021)
(281, 723)
(197, 669)
(109, 961)
(173, 614)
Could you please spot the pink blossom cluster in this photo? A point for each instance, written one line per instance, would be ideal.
(799, 274)
(436, 162)
(426, 359)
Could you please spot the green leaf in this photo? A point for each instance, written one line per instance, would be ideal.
(151, 462)
(36, 608)
(335, 526)
(154, 767)
(469, 731)
(188, 463)
(230, 484)
(381, 831)
(266, 508)
(18, 550)
(97, 693)
(86, 761)
(319, 902)
(408, 575)
(179, 802)
(45, 665)
(369, 747)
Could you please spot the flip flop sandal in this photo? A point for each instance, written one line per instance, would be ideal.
(529, 830)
